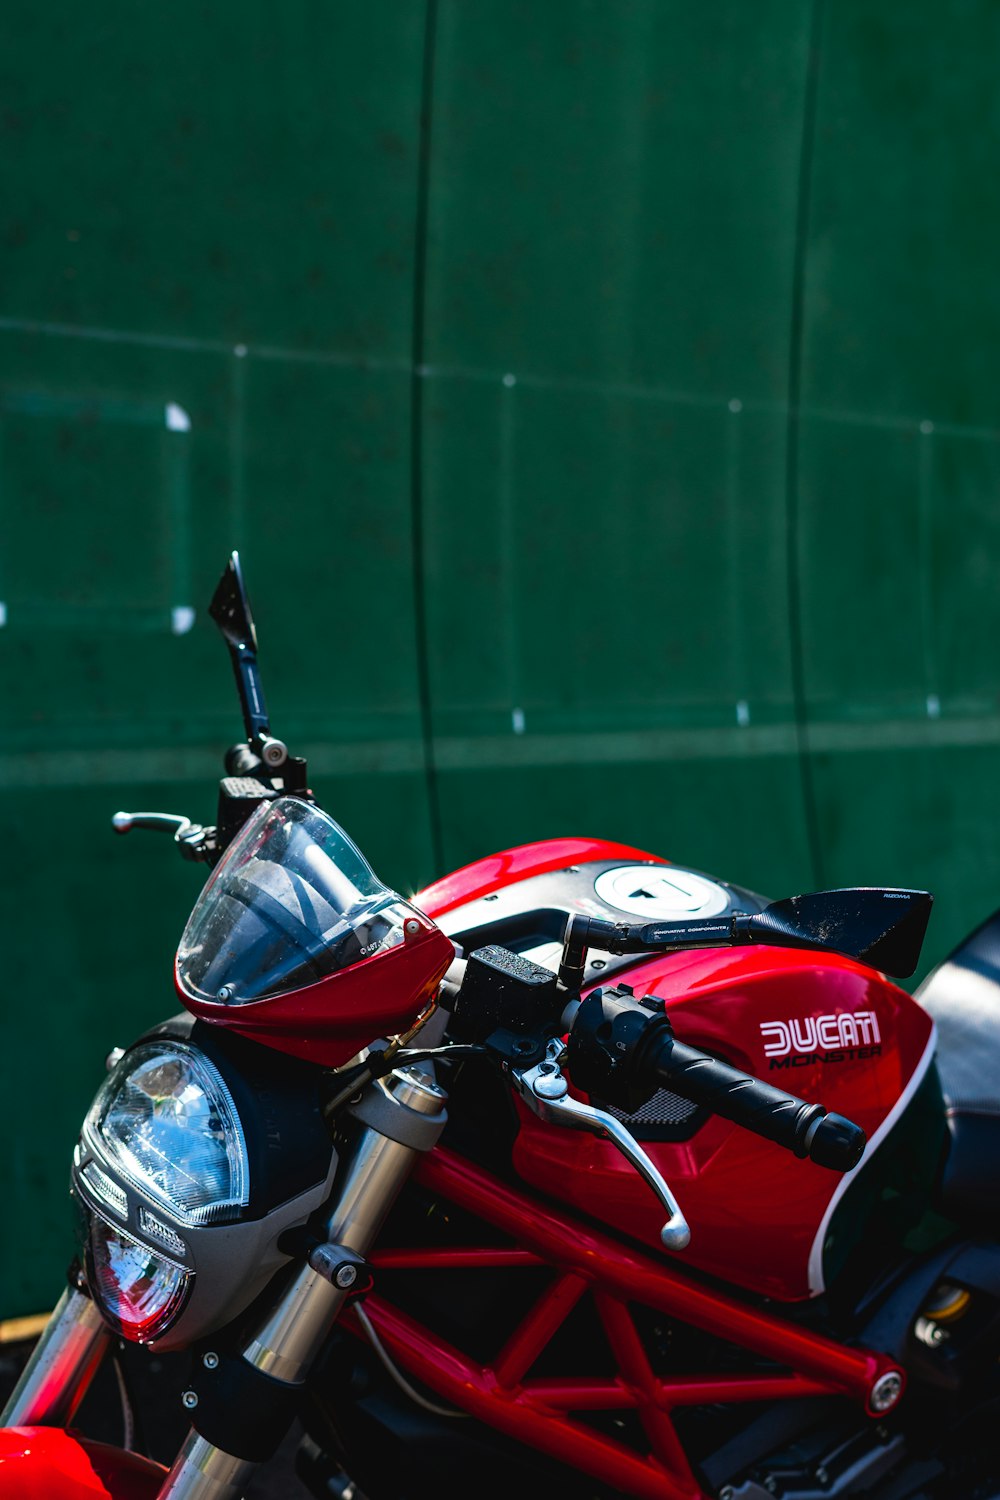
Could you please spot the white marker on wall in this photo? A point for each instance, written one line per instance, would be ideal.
(176, 418)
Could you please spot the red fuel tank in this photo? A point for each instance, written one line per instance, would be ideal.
(824, 1027)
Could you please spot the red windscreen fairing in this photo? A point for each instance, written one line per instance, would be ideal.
(297, 944)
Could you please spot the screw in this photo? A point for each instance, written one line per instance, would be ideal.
(886, 1391)
(523, 1046)
(822, 1476)
(190, 1400)
(225, 994)
(411, 926)
(346, 1276)
(210, 1360)
(114, 1057)
(727, 1492)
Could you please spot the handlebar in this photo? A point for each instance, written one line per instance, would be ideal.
(830, 1140)
(622, 1049)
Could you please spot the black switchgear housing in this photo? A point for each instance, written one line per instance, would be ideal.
(611, 1032)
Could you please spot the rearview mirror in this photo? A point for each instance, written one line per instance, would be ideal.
(883, 928)
(230, 607)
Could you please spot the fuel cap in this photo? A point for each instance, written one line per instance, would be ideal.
(661, 892)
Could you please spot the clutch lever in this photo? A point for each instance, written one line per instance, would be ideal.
(545, 1091)
(194, 841)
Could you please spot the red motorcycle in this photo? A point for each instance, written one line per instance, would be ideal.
(505, 1186)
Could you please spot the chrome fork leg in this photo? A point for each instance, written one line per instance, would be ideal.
(294, 1331)
(61, 1367)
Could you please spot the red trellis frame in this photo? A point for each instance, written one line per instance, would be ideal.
(538, 1412)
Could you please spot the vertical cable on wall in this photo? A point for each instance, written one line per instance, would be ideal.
(809, 110)
(417, 375)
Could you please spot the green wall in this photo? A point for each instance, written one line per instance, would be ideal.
(603, 399)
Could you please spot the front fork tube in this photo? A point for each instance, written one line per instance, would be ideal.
(292, 1334)
(61, 1367)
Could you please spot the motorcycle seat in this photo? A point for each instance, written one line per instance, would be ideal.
(963, 997)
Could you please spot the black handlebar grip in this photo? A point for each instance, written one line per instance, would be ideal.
(837, 1143)
(806, 1129)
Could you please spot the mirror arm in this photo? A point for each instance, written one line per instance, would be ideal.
(883, 927)
(582, 933)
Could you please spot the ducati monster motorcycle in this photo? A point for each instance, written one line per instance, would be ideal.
(582, 1174)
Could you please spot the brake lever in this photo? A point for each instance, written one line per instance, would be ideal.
(194, 841)
(546, 1093)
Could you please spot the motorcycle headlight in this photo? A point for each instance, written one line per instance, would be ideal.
(141, 1292)
(199, 1154)
(167, 1120)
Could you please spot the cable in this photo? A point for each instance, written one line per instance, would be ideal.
(128, 1416)
(397, 1374)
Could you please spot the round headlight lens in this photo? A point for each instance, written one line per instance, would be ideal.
(166, 1118)
(136, 1289)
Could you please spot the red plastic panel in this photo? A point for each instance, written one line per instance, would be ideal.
(511, 865)
(735, 1188)
(46, 1463)
(328, 1022)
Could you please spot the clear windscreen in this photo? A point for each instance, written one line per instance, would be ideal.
(291, 902)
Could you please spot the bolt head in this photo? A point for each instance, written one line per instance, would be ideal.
(190, 1400)
(346, 1276)
(114, 1057)
(210, 1360)
(225, 994)
(412, 926)
(886, 1391)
